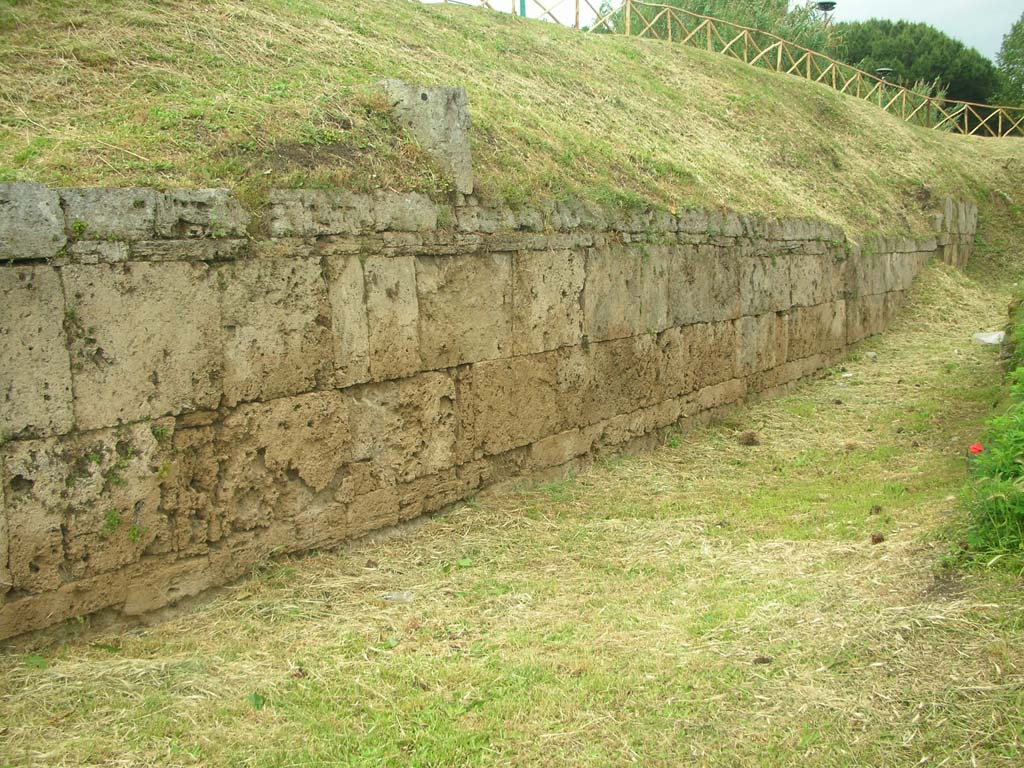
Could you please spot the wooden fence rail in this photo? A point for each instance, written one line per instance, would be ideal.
(763, 49)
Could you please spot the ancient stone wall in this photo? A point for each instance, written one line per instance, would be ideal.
(184, 393)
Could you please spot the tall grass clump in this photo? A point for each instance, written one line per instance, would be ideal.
(995, 490)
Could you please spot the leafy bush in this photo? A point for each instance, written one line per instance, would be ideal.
(995, 492)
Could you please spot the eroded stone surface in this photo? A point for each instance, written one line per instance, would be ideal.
(347, 297)
(103, 213)
(547, 300)
(392, 316)
(465, 308)
(145, 341)
(439, 118)
(31, 222)
(816, 330)
(277, 323)
(35, 375)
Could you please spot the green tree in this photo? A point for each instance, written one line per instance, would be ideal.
(1011, 64)
(919, 53)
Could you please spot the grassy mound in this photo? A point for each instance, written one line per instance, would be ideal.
(282, 92)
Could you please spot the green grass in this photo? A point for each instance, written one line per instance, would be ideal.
(282, 92)
(707, 603)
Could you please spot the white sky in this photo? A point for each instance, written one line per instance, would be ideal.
(978, 23)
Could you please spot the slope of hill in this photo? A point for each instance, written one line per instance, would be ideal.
(282, 92)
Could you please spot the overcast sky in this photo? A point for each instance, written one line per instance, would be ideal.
(978, 23)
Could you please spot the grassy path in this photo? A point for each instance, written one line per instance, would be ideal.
(706, 604)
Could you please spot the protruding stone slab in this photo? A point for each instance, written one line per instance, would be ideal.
(465, 308)
(277, 325)
(102, 213)
(35, 373)
(31, 222)
(439, 119)
(144, 339)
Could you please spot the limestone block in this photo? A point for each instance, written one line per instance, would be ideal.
(201, 249)
(310, 212)
(902, 269)
(654, 287)
(31, 222)
(465, 308)
(611, 297)
(404, 212)
(547, 300)
(199, 213)
(434, 492)
(392, 316)
(277, 328)
(81, 505)
(76, 598)
(815, 279)
(405, 429)
(704, 285)
(762, 342)
(346, 293)
(101, 213)
(605, 379)
(561, 448)
(145, 341)
(168, 583)
(816, 330)
(866, 272)
(189, 491)
(35, 376)
(98, 252)
(765, 284)
(865, 316)
(373, 511)
(696, 356)
(439, 119)
(503, 404)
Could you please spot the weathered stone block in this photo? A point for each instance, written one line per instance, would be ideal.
(762, 342)
(145, 341)
(815, 279)
(5, 571)
(200, 213)
(865, 316)
(35, 377)
(81, 505)
(504, 404)
(97, 252)
(547, 300)
(654, 288)
(605, 379)
(167, 583)
(764, 284)
(696, 356)
(404, 212)
(277, 328)
(310, 212)
(405, 429)
(346, 293)
(101, 213)
(392, 316)
(373, 511)
(200, 249)
(816, 330)
(465, 308)
(611, 295)
(439, 119)
(704, 285)
(31, 222)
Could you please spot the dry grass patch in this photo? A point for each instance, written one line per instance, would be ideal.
(707, 603)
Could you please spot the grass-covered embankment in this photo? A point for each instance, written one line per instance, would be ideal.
(263, 92)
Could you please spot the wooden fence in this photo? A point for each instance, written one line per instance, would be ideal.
(763, 49)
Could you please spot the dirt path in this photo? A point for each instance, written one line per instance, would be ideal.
(708, 603)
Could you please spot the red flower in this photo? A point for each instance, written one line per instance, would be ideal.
(976, 449)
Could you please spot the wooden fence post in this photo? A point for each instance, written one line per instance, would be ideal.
(629, 11)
